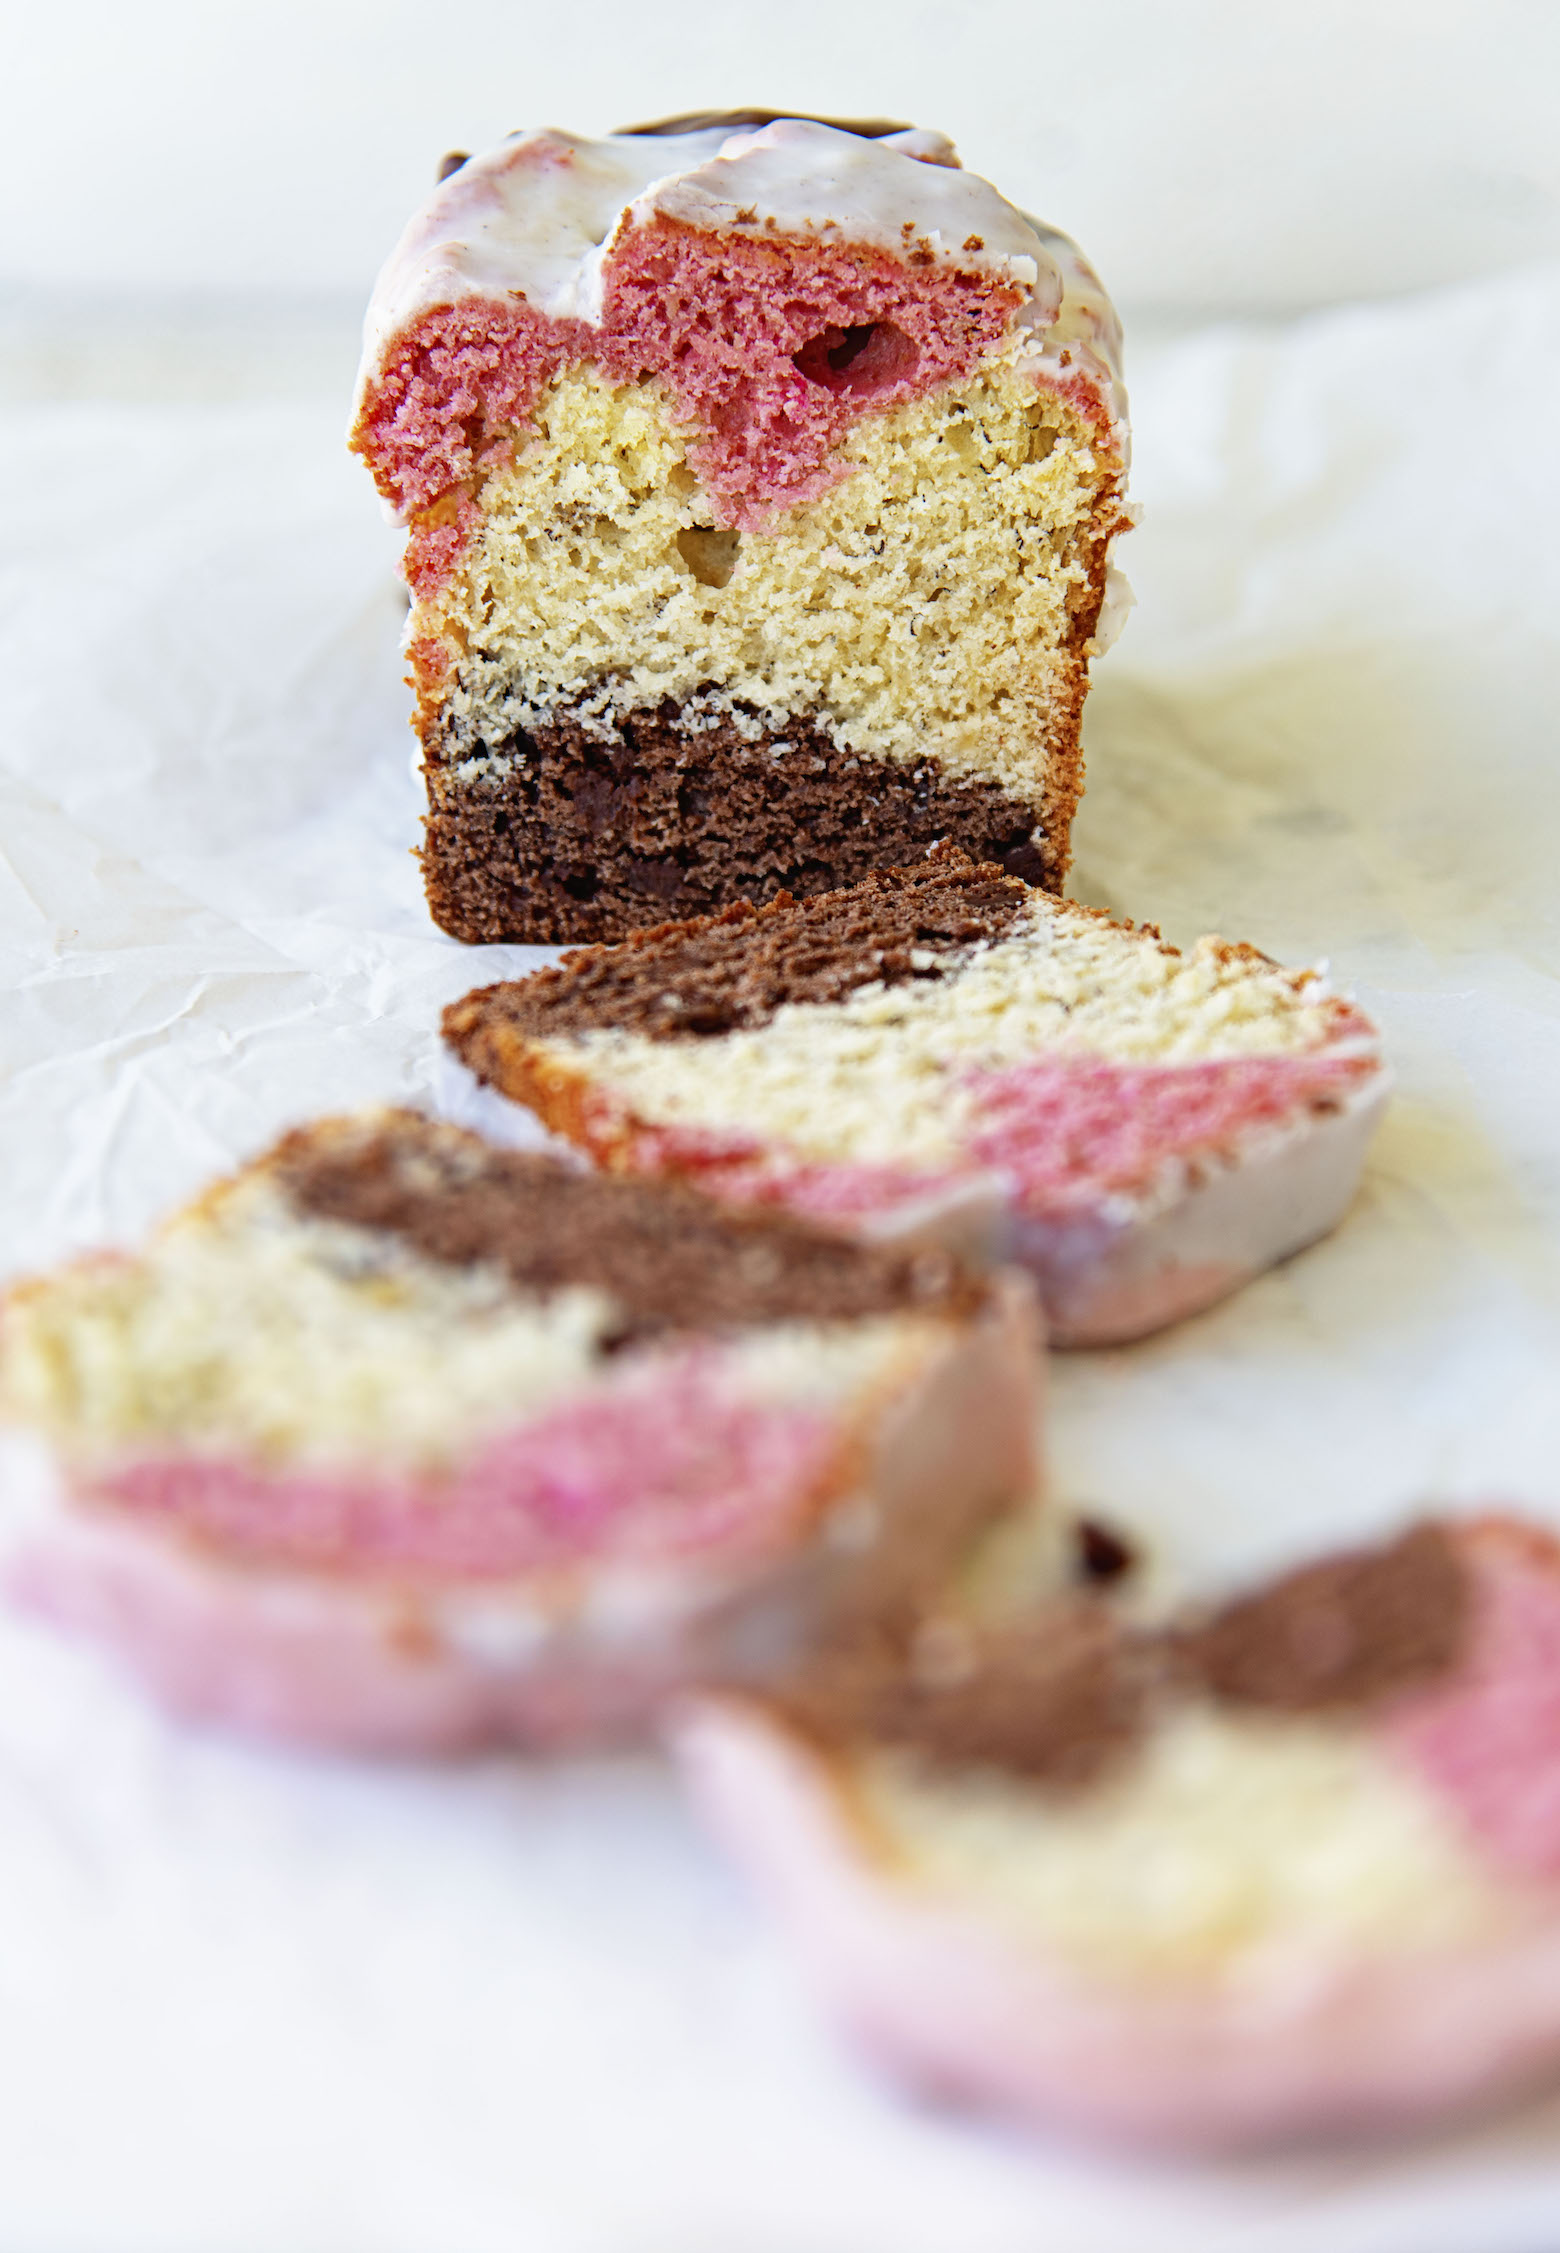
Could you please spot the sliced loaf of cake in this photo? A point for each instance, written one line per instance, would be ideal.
(943, 1053)
(759, 478)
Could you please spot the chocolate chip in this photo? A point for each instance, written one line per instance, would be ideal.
(1102, 1556)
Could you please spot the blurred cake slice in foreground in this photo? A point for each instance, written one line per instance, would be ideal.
(1290, 1869)
(942, 1053)
(759, 480)
(398, 1440)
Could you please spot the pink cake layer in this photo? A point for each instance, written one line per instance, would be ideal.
(1295, 2042)
(552, 1590)
(742, 1170)
(1138, 1195)
(826, 332)
(1488, 1743)
(1067, 1133)
(1064, 1133)
(655, 1470)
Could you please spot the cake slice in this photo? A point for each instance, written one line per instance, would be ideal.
(943, 1053)
(759, 481)
(399, 1440)
(1291, 1869)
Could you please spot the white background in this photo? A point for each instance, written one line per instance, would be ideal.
(1211, 154)
(250, 2004)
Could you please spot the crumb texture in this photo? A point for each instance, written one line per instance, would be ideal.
(834, 482)
(934, 603)
(1488, 1739)
(638, 1463)
(1067, 1131)
(773, 350)
(1062, 1694)
(1058, 1700)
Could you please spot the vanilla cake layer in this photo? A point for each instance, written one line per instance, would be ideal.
(945, 1053)
(399, 1440)
(1294, 1869)
(760, 486)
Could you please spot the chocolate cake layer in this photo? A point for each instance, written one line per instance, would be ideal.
(562, 833)
(670, 1259)
(1345, 1632)
(1061, 1696)
(721, 973)
(1057, 1700)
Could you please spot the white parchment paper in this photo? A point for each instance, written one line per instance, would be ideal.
(256, 2004)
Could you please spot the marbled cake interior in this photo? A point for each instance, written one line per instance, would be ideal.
(1350, 1757)
(392, 1345)
(960, 1022)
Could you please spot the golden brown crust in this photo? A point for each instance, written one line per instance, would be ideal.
(561, 1095)
(1064, 747)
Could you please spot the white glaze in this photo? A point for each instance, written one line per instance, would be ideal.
(528, 218)
(1197, 1237)
(796, 178)
(536, 216)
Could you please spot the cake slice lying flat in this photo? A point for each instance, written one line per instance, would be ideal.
(760, 480)
(1289, 1870)
(399, 1440)
(942, 1052)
